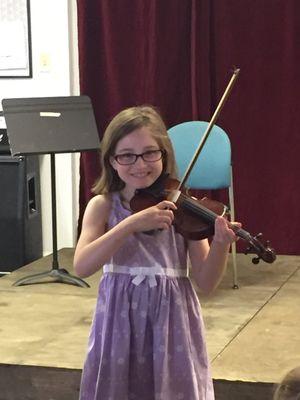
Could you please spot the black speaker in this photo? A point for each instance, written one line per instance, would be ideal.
(4, 144)
(20, 212)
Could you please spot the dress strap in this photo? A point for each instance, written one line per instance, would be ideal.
(141, 273)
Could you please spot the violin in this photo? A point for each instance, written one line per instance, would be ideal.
(194, 218)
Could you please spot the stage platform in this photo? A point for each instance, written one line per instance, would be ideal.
(253, 333)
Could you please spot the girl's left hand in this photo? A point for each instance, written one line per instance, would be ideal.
(223, 234)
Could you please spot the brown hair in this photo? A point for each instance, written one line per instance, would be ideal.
(289, 388)
(121, 125)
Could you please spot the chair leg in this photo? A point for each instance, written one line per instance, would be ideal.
(235, 284)
(233, 246)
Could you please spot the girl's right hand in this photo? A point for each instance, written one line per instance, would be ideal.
(160, 216)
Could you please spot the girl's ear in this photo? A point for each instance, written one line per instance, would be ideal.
(113, 162)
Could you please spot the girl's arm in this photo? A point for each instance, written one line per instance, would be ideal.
(209, 262)
(96, 245)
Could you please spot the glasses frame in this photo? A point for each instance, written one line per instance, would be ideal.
(162, 154)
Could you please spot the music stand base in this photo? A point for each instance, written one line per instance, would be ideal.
(58, 275)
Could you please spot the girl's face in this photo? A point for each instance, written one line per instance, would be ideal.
(141, 173)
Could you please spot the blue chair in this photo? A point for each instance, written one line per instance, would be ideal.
(213, 169)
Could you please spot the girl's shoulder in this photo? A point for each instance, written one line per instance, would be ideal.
(101, 199)
(99, 206)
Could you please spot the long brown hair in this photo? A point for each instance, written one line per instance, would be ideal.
(123, 124)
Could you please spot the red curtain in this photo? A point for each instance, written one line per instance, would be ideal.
(178, 55)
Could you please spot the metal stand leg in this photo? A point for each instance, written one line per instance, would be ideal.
(56, 274)
(235, 284)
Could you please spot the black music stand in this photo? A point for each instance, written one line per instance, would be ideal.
(49, 125)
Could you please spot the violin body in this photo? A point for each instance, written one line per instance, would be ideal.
(194, 219)
(185, 221)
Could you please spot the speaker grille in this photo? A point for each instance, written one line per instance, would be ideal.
(20, 222)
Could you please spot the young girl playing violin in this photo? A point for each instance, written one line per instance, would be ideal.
(147, 336)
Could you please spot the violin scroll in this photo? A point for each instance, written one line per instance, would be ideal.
(263, 252)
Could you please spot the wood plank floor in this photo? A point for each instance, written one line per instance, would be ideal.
(253, 333)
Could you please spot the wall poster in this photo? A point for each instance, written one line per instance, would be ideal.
(15, 34)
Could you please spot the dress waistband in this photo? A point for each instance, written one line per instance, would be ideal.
(141, 273)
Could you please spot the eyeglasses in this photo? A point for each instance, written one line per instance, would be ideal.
(148, 156)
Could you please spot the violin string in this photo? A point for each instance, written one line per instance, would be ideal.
(266, 254)
(194, 205)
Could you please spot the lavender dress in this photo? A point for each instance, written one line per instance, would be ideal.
(147, 335)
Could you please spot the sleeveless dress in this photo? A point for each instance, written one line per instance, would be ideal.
(147, 336)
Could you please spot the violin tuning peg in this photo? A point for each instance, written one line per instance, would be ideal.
(259, 235)
(255, 260)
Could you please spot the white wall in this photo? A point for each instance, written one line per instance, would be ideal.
(55, 73)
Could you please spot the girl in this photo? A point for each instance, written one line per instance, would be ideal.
(147, 336)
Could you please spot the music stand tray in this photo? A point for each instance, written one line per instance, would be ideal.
(49, 125)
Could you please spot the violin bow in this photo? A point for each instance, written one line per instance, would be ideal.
(236, 72)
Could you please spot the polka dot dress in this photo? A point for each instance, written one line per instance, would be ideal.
(146, 340)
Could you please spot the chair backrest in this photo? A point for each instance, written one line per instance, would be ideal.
(213, 167)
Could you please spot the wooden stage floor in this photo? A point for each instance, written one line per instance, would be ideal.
(253, 333)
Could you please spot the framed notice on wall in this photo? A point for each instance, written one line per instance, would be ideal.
(15, 34)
